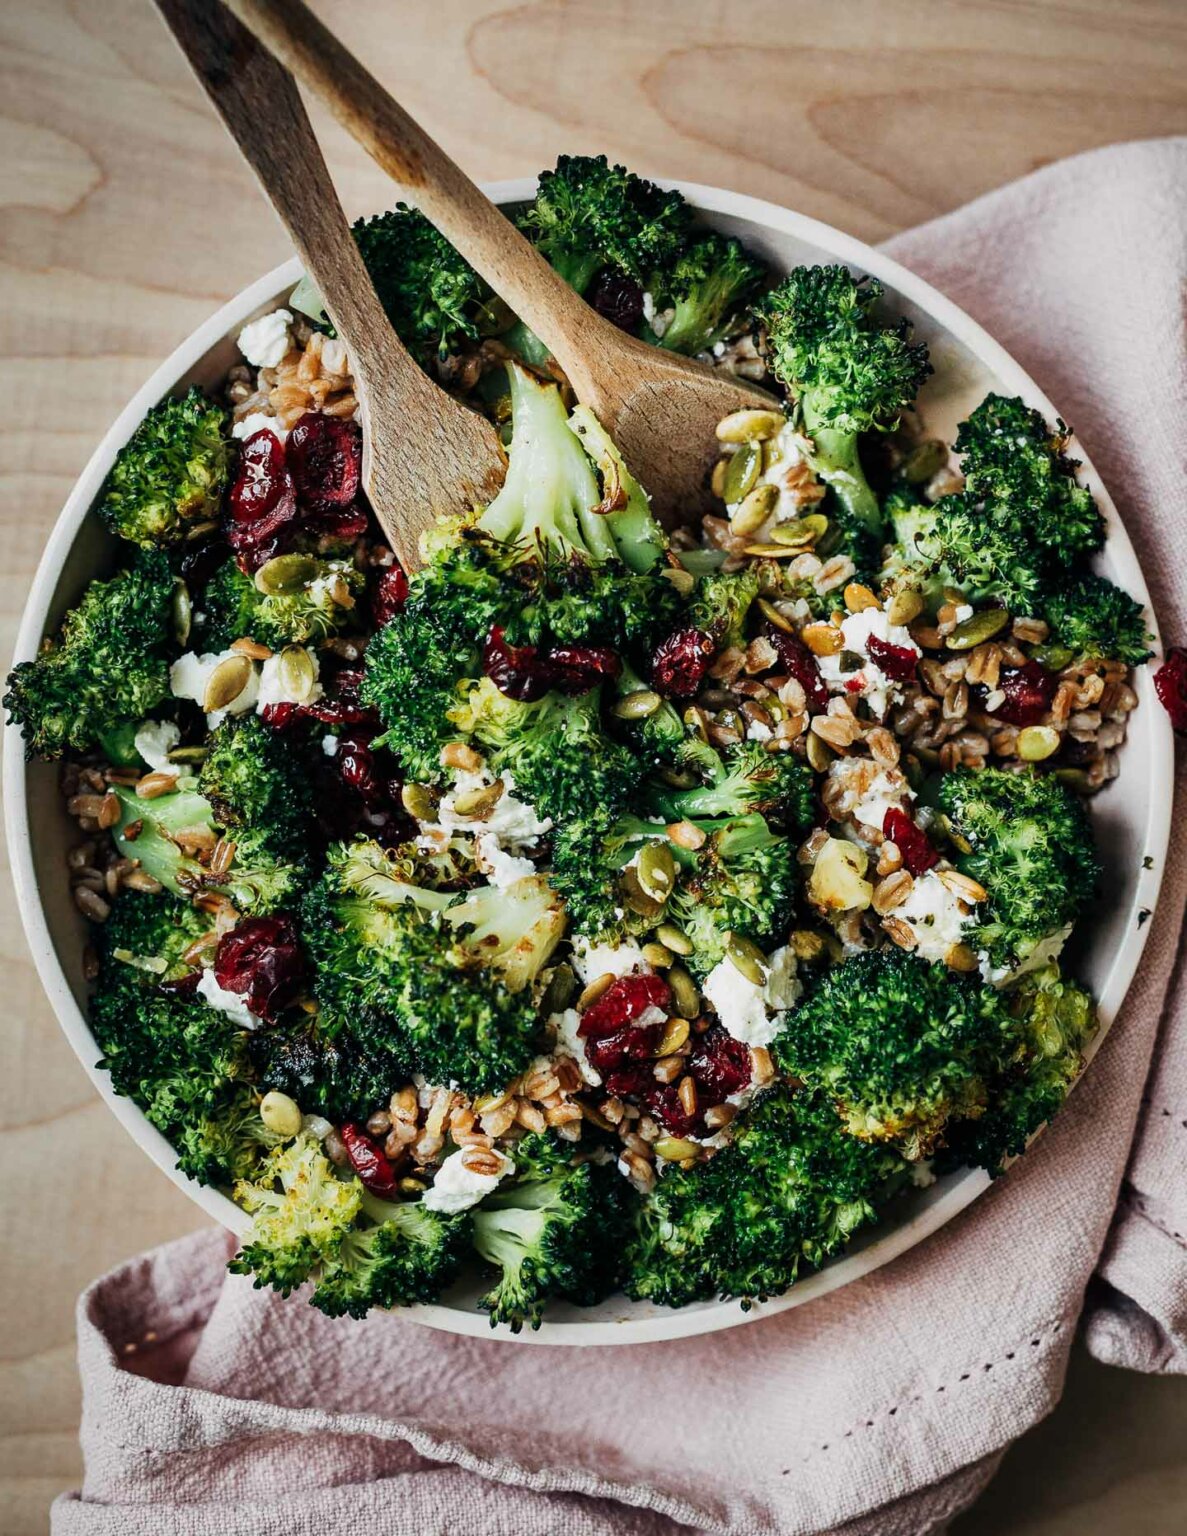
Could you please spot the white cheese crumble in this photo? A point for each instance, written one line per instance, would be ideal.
(593, 960)
(272, 688)
(1046, 949)
(500, 867)
(868, 681)
(752, 1012)
(190, 673)
(785, 452)
(154, 741)
(226, 1002)
(456, 1187)
(936, 916)
(887, 790)
(256, 421)
(963, 611)
(513, 822)
(329, 745)
(757, 731)
(569, 1043)
(266, 341)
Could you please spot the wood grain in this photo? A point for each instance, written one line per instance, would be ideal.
(128, 215)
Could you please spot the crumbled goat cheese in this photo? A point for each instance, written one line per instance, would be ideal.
(226, 1002)
(749, 1011)
(456, 1187)
(785, 452)
(255, 421)
(648, 306)
(569, 1043)
(500, 867)
(868, 681)
(1046, 949)
(266, 341)
(923, 1175)
(963, 611)
(757, 731)
(272, 688)
(888, 790)
(333, 356)
(329, 745)
(513, 822)
(154, 741)
(936, 916)
(190, 673)
(593, 960)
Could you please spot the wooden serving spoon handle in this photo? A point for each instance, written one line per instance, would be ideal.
(424, 453)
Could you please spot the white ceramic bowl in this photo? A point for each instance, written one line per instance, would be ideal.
(1132, 816)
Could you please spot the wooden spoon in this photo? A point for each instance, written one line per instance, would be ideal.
(660, 408)
(425, 454)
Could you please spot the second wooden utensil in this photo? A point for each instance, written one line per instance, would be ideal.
(425, 454)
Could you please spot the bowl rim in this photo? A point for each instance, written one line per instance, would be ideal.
(581, 1331)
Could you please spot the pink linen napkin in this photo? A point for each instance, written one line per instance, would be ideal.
(879, 1411)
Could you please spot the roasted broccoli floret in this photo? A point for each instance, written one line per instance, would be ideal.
(847, 372)
(904, 1048)
(307, 600)
(743, 881)
(347, 1077)
(653, 734)
(590, 850)
(252, 779)
(410, 1255)
(1030, 845)
(722, 603)
(301, 1212)
(412, 667)
(554, 1231)
(708, 287)
(748, 778)
(109, 663)
(171, 473)
(1092, 617)
(955, 543)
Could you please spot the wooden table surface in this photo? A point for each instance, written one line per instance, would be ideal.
(127, 218)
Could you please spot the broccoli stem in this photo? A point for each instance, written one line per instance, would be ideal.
(838, 463)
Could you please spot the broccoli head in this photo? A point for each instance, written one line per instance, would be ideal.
(1092, 617)
(1030, 845)
(250, 778)
(294, 599)
(747, 779)
(171, 473)
(346, 1077)
(954, 543)
(409, 1254)
(722, 604)
(743, 881)
(708, 287)
(109, 663)
(411, 670)
(554, 1231)
(301, 1211)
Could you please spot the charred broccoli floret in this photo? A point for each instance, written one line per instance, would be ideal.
(747, 778)
(171, 473)
(708, 288)
(251, 779)
(306, 600)
(1092, 617)
(409, 1254)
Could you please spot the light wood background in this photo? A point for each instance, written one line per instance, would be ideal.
(126, 218)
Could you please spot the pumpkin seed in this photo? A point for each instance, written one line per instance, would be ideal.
(419, 801)
(747, 958)
(976, 630)
(741, 473)
(657, 956)
(755, 508)
(1036, 742)
(858, 597)
(284, 575)
(635, 897)
(656, 871)
(925, 460)
(750, 426)
(684, 581)
(904, 606)
(477, 804)
(296, 671)
(819, 756)
(694, 720)
(637, 705)
(1053, 657)
(226, 683)
(800, 531)
(182, 612)
(674, 1149)
(672, 938)
(685, 994)
(280, 1114)
(961, 958)
(188, 754)
(772, 614)
(717, 483)
(558, 994)
(676, 1032)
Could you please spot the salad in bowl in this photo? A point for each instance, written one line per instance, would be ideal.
(601, 907)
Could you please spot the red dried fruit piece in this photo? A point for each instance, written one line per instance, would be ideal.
(336, 526)
(578, 668)
(1028, 690)
(1170, 684)
(261, 959)
(623, 1001)
(680, 662)
(618, 297)
(665, 1105)
(374, 1171)
(798, 661)
(325, 457)
(633, 1042)
(896, 661)
(911, 841)
(340, 704)
(720, 1065)
(262, 501)
(516, 670)
(389, 594)
(630, 1081)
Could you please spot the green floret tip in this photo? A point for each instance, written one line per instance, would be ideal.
(411, 669)
(110, 662)
(171, 473)
(410, 1255)
(252, 779)
(743, 881)
(1092, 617)
(313, 600)
(301, 1211)
(722, 604)
(708, 286)
(1030, 845)
(902, 1047)
(554, 1230)
(847, 373)
(954, 543)
(745, 779)
(342, 1078)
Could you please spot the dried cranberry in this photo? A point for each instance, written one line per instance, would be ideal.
(389, 594)
(261, 960)
(358, 790)
(1170, 684)
(665, 1105)
(623, 1001)
(720, 1065)
(911, 841)
(578, 668)
(629, 1081)
(618, 298)
(518, 671)
(333, 526)
(798, 661)
(262, 501)
(680, 663)
(374, 1171)
(340, 703)
(1029, 690)
(896, 661)
(633, 1042)
(325, 457)
(199, 561)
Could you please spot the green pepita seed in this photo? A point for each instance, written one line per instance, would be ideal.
(419, 801)
(674, 1149)
(477, 804)
(925, 460)
(685, 994)
(756, 507)
(747, 958)
(671, 936)
(800, 531)
(1037, 742)
(188, 754)
(904, 606)
(819, 756)
(657, 956)
(280, 1114)
(636, 898)
(779, 620)
(155, 965)
(741, 473)
(1074, 778)
(285, 574)
(976, 630)
(296, 671)
(637, 705)
(182, 612)
(850, 661)
(750, 426)
(1053, 657)
(226, 683)
(560, 991)
(694, 721)
(684, 581)
(717, 480)
(656, 871)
